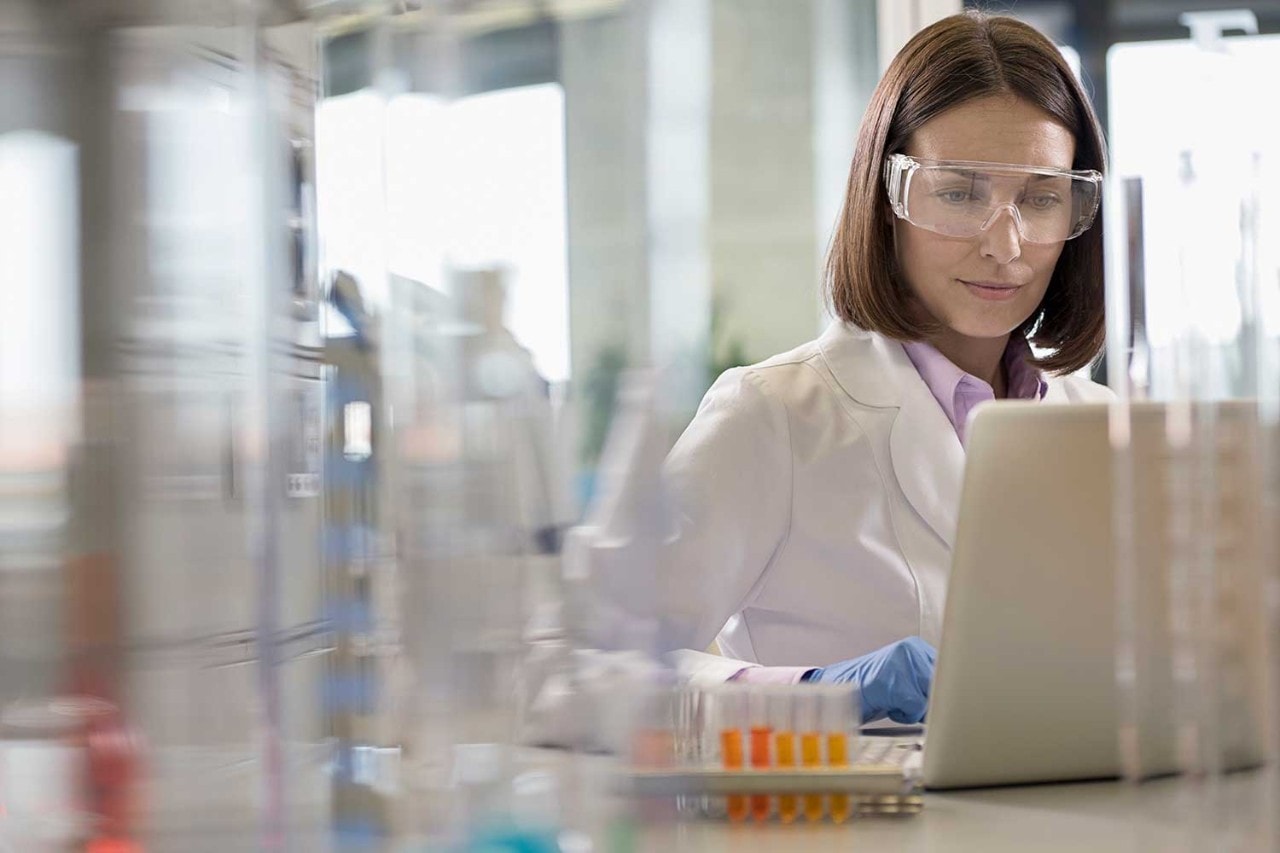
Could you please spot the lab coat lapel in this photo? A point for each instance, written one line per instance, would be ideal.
(927, 458)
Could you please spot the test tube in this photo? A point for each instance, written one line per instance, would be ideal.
(781, 717)
(761, 743)
(653, 741)
(839, 709)
(733, 714)
(806, 708)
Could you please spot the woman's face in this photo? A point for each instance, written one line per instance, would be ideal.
(948, 274)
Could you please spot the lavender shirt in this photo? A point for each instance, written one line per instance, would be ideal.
(958, 393)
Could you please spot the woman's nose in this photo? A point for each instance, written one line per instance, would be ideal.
(1001, 238)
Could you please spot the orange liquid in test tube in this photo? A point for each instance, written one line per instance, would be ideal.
(731, 753)
(788, 804)
(807, 721)
(838, 756)
(731, 705)
(782, 719)
(838, 704)
(811, 756)
(760, 737)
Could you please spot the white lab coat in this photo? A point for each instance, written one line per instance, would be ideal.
(815, 498)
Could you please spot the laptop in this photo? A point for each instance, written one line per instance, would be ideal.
(1025, 688)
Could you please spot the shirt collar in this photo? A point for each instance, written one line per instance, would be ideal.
(945, 379)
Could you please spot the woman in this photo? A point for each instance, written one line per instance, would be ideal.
(816, 492)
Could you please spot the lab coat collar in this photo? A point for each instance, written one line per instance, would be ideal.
(1057, 392)
(928, 460)
(858, 359)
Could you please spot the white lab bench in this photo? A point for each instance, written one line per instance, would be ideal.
(1160, 816)
(1167, 815)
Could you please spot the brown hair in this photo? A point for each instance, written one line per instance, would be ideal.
(962, 57)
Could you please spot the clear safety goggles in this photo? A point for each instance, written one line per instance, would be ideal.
(960, 198)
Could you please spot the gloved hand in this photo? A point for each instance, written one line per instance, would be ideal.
(893, 680)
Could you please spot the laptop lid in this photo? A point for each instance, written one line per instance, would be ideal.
(1025, 687)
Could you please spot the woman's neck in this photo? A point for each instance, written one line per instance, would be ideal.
(980, 357)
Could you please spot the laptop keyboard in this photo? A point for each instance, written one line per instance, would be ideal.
(905, 753)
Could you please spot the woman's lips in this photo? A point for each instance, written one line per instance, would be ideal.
(991, 290)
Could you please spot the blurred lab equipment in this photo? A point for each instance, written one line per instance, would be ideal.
(357, 688)
(281, 525)
(1191, 282)
(610, 593)
(177, 297)
(607, 642)
(479, 503)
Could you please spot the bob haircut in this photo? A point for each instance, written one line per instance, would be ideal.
(960, 58)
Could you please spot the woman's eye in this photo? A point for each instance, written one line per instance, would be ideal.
(1042, 202)
(955, 196)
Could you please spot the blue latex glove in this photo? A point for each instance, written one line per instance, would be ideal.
(893, 680)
